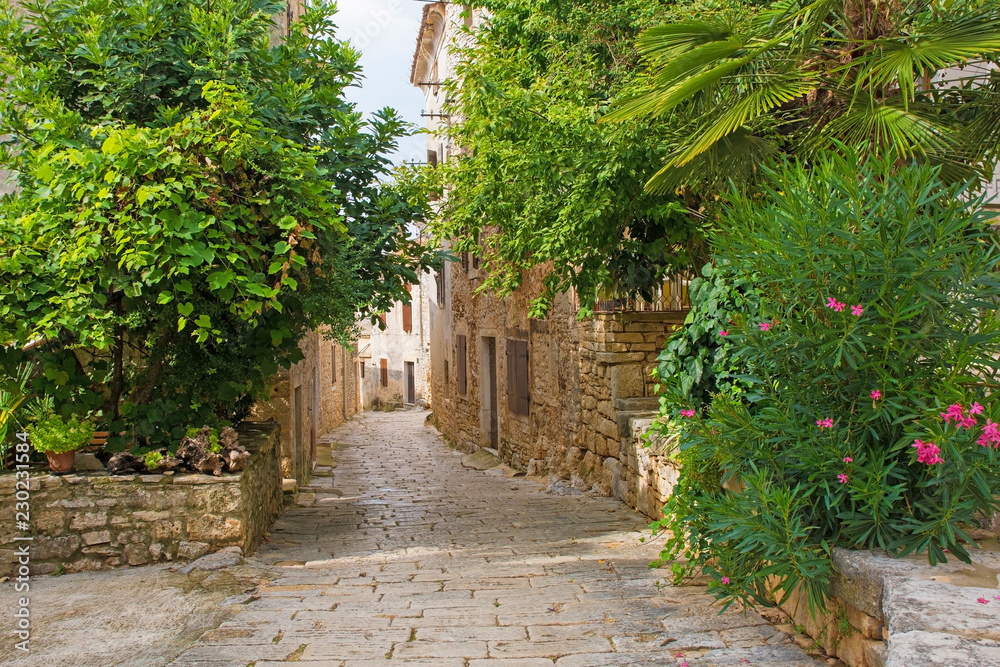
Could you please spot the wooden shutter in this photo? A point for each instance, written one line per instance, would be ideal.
(518, 394)
(362, 364)
(382, 317)
(408, 315)
(384, 367)
(333, 364)
(461, 364)
(465, 262)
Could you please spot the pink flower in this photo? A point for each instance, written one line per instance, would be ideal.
(836, 305)
(991, 435)
(928, 452)
(983, 601)
(876, 395)
(847, 459)
(975, 409)
(843, 478)
(857, 311)
(954, 412)
(723, 333)
(998, 597)
(687, 413)
(824, 423)
(966, 422)
(725, 581)
(765, 326)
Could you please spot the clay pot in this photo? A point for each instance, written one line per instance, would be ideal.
(61, 463)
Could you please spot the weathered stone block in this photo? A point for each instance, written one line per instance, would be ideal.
(215, 529)
(137, 553)
(88, 520)
(151, 516)
(192, 550)
(96, 537)
(167, 530)
(54, 547)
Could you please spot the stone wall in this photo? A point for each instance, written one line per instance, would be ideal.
(311, 398)
(93, 521)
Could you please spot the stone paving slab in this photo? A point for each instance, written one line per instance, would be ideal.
(409, 558)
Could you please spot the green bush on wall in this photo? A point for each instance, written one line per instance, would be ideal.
(870, 421)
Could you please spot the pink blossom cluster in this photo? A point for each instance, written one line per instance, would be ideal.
(962, 419)
(765, 326)
(825, 423)
(838, 306)
(991, 435)
(928, 452)
(842, 477)
(687, 413)
(876, 395)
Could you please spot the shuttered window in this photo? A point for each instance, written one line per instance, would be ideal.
(461, 365)
(465, 262)
(384, 325)
(518, 395)
(362, 364)
(384, 367)
(408, 315)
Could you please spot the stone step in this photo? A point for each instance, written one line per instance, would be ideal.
(639, 404)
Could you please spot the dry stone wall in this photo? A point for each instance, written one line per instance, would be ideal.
(94, 521)
(589, 380)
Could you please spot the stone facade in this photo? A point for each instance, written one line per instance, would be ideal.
(403, 347)
(93, 521)
(309, 399)
(554, 395)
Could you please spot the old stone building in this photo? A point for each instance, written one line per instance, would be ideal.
(562, 396)
(394, 361)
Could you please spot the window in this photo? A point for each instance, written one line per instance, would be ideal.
(439, 283)
(475, 261)
(384, 368)
(465, 262)
(385, 326)
(461, 368)
(518, 394)
(432, 158)
(362, 364)
(333, 364)
(408, 315)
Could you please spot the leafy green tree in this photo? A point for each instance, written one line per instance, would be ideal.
(870, 421)
(809, 75)
(538, 182)
(192, 200)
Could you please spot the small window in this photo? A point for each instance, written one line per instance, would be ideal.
(333, 364)
(362, 365)
(518, 394)
(432, 158)
(461, 367)
(385, 325)
(408, 314)
(439, 284)
(465, 262)
(384, 368)
(475, 261)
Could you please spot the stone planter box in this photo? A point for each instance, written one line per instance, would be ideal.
(902, 612)
(94, 521)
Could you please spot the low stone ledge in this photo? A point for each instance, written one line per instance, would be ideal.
(94, 521)
(902, 611)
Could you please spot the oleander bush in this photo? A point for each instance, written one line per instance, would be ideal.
(871, 419)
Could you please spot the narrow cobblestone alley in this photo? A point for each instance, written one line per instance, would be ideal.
(407, 557)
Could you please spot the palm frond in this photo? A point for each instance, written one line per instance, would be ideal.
(664, 43)
(898, 61)
(762, 99)
(892, 127)
(737, 157)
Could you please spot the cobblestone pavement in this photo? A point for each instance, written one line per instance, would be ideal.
(407, 557)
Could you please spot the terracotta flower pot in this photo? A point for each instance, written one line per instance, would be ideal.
(63, 462)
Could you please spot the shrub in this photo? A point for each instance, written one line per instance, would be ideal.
(52, 433)
(877, 333)
(192, 200)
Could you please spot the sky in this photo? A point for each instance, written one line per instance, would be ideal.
(385, 32)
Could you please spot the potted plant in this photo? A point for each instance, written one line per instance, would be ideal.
(59, 438)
